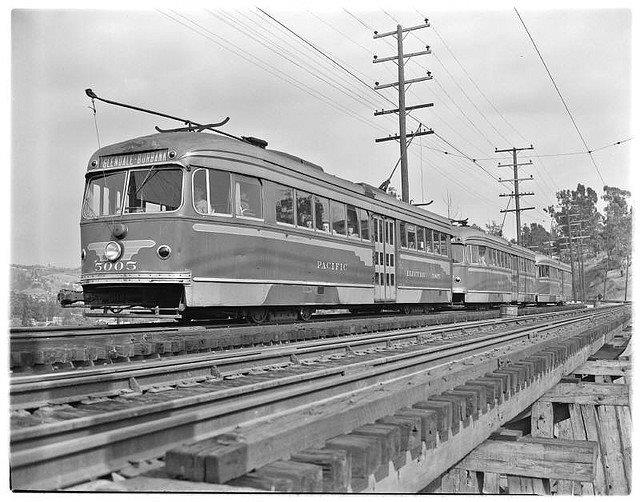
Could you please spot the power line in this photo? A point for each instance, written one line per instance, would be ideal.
(253, 60)
(566, 107)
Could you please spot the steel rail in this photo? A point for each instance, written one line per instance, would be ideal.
(46, 332)
(42, 455)
(30, 391)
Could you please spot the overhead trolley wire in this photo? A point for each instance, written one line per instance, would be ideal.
(209, 35)
(566, 107)
(269, 44)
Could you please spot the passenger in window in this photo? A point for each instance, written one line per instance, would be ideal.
(200, 201)
(483, 251)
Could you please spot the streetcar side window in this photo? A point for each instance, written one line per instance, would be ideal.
(364, 224)
(421, 239)
(390, 232)
(436, 242)
(403, 234)
(444, 244)
(304, 214)
(353, 225)
(338, 214)
(284, 204)
(212, 191)
(411, 236)
(247, 196)
(429, 240)
(482, 255)
(321, 210)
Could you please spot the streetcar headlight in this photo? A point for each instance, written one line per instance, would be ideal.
(112, 251)
(164, 251)
(457, 279)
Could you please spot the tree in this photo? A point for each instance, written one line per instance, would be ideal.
(578, 205)
(616, 231)
(536, 237)
(494, 228)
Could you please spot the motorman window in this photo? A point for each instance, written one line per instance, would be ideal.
(103, 195)
(353, 225)
(154, 190)
(403, 234)
(247, 196)
(304, 215)
(338, 214)
(322, 214)
(284, 204)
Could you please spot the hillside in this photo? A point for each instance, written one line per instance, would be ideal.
(40, 281)
(33, 295)
(594, 280)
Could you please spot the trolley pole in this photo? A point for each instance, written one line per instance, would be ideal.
(516, 186)
(402, 84)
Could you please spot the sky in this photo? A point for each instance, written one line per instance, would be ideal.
(490, 90)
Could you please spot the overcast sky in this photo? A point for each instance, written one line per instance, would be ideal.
(207, 65)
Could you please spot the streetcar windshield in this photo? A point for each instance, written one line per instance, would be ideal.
(104, 195)
(149, 190)
(154, 190)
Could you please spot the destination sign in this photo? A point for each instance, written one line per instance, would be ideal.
(134, 159)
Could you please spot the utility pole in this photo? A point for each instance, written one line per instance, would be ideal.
(516, 186)
(573, 273)
(402, 84)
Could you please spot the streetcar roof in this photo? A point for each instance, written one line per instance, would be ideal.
(187, 145)
(471, 235)
(542, 259)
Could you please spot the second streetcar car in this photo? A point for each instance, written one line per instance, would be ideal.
(488, 270)
(553, 283)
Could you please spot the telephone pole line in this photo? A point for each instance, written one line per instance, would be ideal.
(516, 186)
(402, 109)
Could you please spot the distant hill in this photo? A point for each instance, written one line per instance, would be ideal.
(33, 295)
(41, 281)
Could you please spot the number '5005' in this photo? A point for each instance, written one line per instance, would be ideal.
(107, 266)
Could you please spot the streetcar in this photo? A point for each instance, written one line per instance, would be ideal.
(554, 281)
(489, 270)
(191, 224)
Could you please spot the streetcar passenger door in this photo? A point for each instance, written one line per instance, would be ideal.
(378, 258)
(390, 260)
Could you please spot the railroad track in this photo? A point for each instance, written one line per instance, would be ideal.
(37, 390)
(64, 349)
(61, 445)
